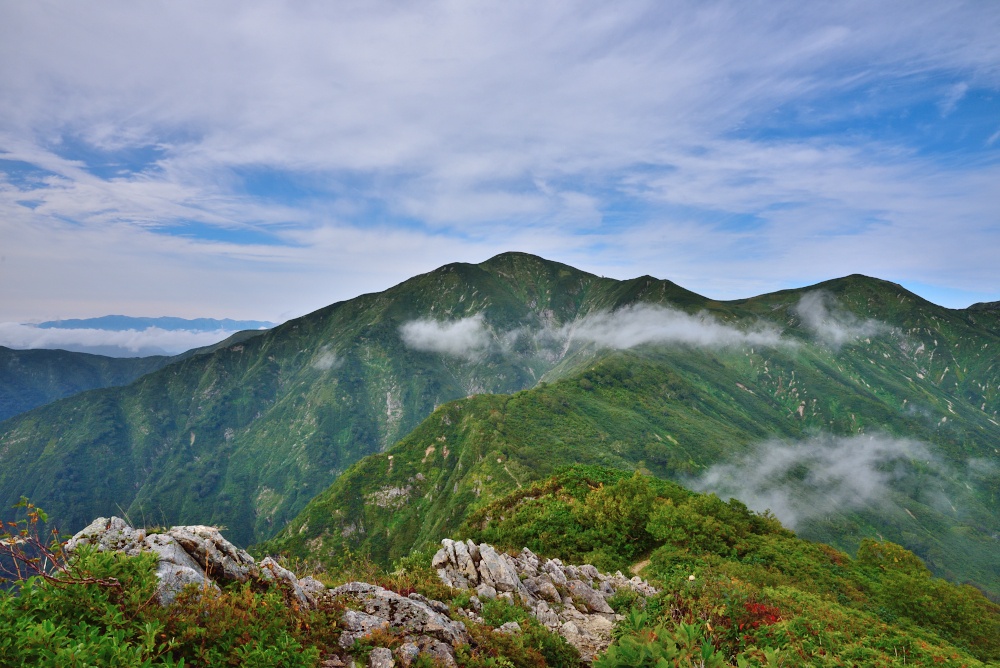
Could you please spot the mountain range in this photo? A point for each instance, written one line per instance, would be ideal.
(852, 408)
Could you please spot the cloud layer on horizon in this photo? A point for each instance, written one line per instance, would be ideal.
(127, 343)
(277, 158)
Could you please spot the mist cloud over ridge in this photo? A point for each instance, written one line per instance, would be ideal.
(628, 327)
(639, 324)
(124, 343)
(830, 323)
(800, 481)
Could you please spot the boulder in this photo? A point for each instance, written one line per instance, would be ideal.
(221, 559)
(591, 598)
(176, 569)
(108, 535)
(551, 590)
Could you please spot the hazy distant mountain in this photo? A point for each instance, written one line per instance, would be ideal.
(640, 373)
(121, 323)
(31, 378)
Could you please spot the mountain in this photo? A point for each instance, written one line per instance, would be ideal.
(496, 374)
(31, 378)
(245, 436)
(912, 399)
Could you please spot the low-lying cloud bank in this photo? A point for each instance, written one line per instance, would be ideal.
(125, 343)
(829, 323)
(820, 476)
(470, 338)
(640, 324)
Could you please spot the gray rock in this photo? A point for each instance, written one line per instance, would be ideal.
(108, 535)
(473, 552)
(588, 573)
(464, 563)
(541, 586)
(359, 625)
(554, 568)
(221, 559)
(272, 570)
(381, 657)
(176, 569)
(407, 653)
(484, 591)
(439, 651)
(410, 615)
(583, 592)
(436, 606)
(495, 570)
(313, 588)
(354, 588)
(509, 628)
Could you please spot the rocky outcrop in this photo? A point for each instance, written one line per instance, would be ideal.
(195, 554)
(199, 555)
(426, 624)
(566, 599)
(569, 600)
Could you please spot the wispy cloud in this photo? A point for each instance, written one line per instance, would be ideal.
(629, 327)
(600, 136)
(814, 478)
(641, 324)
(831, 324)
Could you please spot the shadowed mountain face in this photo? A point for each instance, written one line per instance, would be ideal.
(639, 373)
(32, 378)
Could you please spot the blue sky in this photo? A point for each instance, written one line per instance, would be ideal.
(261, 160)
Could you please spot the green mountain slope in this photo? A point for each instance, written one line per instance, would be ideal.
(246, 435)
(31, 378)
(741, 581)
(918, 388)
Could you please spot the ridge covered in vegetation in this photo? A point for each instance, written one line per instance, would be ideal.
(737, 589)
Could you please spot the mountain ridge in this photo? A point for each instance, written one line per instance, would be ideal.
(248, 435)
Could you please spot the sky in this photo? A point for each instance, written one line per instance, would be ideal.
(260, 160)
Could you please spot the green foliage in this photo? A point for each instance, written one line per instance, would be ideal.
(535, 646)
(88, 622)
(754, 592)
(662, 647)
(32, 378)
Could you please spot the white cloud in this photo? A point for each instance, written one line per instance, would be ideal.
(127, 343)
(830, 323)
(467, 338)
(326, 360)
(496, 127)
(641, 324)
(635, 325)
(812, 479)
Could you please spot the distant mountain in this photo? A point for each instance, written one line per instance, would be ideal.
(122, 323)
(551, 366)
(32, 378)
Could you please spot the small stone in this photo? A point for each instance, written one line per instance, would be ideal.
(407, 653)
(381, 657)
(484, 591)
(509, 628)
